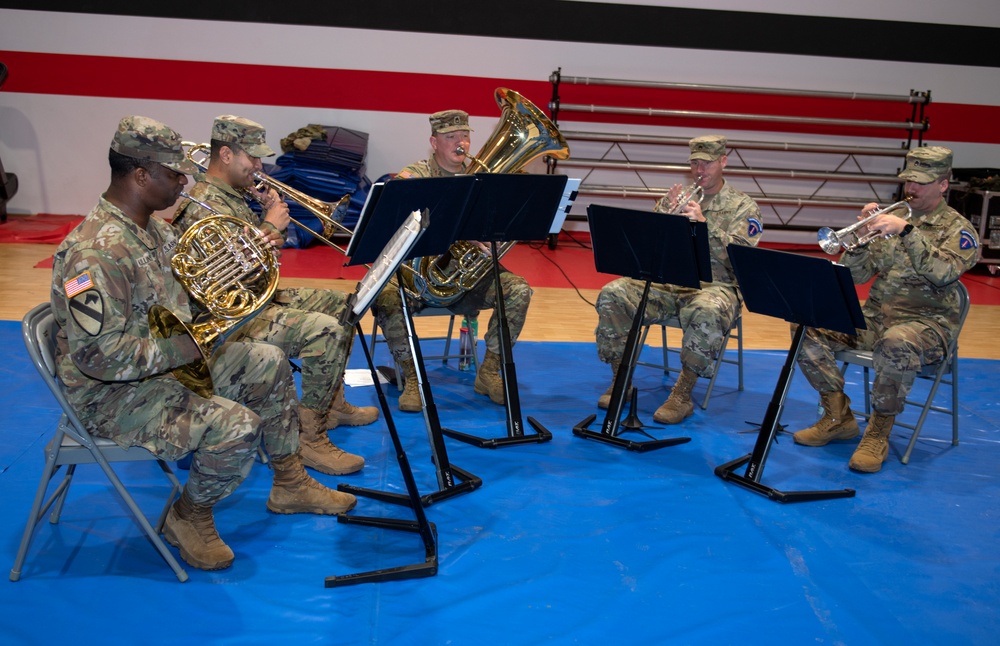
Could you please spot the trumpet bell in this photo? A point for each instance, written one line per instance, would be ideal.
(828, 240)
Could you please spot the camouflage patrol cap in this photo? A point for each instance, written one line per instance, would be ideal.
(449, 121)
(926, 164)
(145, 138)
(248, 135)
(709, 147)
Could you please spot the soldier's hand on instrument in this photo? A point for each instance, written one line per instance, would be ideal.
(887, 224)
(674, 191)
(693, 212)
(266, 197)
(278, 215)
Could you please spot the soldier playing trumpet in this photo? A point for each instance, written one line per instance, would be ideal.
(911, 312)
(705, 314)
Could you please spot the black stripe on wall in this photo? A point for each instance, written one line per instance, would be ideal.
(587, 22)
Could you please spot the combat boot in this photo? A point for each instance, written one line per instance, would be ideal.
(488, 379)
(874, 446)
(318, 452)
(678, 405)
(295, 492)
(341, 412)
(409, 399)
(605, 400)
(837, 423)
(191, 529)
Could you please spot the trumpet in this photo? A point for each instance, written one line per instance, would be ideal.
(831, 241)
(692, 191)
(329, 214)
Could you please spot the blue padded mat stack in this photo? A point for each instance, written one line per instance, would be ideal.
(329, 168)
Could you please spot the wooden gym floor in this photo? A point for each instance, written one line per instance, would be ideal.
(556, 314)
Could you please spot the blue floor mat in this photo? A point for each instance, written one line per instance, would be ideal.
(566, 542)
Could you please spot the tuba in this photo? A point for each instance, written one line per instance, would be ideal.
(329, 214)
(522, 134)
(222, 265)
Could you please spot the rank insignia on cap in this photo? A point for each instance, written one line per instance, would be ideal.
(755, 227)
(74, 286)
(87, 309)
(966, 240)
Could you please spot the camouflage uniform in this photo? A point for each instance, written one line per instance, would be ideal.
(912, 308)
(106, 275)
(705, 314)
(303, 322)
(388, 308)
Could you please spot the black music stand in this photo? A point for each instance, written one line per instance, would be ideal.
(652, 247)
(812, 292)
(368, 288)
(447, 200)
(517, 206)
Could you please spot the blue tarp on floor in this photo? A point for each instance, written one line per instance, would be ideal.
(567, 542)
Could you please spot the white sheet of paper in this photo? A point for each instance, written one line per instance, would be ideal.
(361, 377)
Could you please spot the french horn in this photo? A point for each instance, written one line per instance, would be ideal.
(225, 267)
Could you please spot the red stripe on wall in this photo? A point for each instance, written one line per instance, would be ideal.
(174, 80)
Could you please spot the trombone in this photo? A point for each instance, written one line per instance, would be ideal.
(831, 241)
(329, 214)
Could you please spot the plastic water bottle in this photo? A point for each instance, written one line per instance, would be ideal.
(464, 346)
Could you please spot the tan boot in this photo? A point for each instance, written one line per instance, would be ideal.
(488, 379)
(409, 399)
(341, 412)
(679, 405)
(295, 492)
(318, 452)
(605, 400)
(874, 446)
(837, 423)
(191, 528)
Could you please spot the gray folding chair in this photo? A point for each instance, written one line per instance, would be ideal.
(447, 337)
(737, 327)
(72, 444)
(944, 372)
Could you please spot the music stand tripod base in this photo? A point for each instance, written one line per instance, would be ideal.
(467, 482)
(426, 569)
(641, 446)
(727, 472)
(540, 435)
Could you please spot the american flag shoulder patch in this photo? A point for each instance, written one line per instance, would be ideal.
(79, 284)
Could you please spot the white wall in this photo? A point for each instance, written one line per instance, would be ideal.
(57, 144)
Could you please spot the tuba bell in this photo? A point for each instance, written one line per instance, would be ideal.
(224, 267)
(523, 134)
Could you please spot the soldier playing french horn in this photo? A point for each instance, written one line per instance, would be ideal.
(106, 275)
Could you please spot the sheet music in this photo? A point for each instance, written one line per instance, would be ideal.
(569, 196)
(392, 255)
